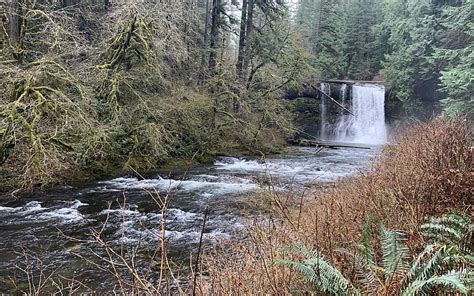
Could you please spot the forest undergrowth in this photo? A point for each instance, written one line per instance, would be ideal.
(87, 91)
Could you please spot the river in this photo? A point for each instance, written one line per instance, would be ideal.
(55, 225)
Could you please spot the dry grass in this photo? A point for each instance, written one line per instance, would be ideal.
(427, 172)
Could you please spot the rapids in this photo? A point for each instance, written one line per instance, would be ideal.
(54, 225)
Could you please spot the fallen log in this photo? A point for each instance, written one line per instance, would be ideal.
(334, 100)
(324, 144)
(351, 81)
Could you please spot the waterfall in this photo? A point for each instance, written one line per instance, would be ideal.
(368, 124)
(342, 96)
(325, 88)
(344, 121)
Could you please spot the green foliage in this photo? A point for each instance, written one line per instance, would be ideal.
(444, 265)
(363, 47)
(44, 122)
(423, 50)
(317, 271)
(456, 55)
(395, 253)
(429, 55)
(322, 24)
(451, 229)
(410, 26)
(87, 90)
(452, 281)
(365, 248)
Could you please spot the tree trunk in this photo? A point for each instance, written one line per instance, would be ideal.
(213, 46)
(317, 30)
(205, 37)
(248, 45)
(242, 40)
(13, 21)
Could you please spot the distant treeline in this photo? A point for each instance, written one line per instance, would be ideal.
(422, 49)
(92, 87)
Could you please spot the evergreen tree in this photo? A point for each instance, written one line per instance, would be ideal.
(321, 23)
(362, 49)
(329, 41)
(407, 69)
(455, 55)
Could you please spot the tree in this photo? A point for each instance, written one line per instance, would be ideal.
(322, 24)
(411, 76)
(215, 33)
(242, 38)
(455, 56)
(361, 45)
(13, 21)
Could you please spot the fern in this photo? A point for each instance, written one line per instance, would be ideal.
(316, 270)
(451, 228)
(449, 250)
(432, 266)
(395, 255)
(417, 266)
(366, 247)
(452, 281)
(364, 272)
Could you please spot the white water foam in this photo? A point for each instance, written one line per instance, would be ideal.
(367, 126)
(131, 215)
(323, 168)
(134, 227)
(32, 206)
(65, 215)
(35, 212)
(213, 185)
(236, 164)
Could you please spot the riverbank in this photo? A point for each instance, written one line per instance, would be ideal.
(252, 210)
(11, 182)
(129, 211)
(427, 172)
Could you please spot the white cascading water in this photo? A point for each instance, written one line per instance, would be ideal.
(342, 96)
(368, 124)
(326, 88)
(344, 122)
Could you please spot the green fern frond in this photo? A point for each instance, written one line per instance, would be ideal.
(308, 272)
(441, 232)
(453, 281)
(365, 275)
(330, 279)
(395, 254)
(451, 228)
(456, 220)
(432, 266)
(365, 248)
(317, 271)
(426, 265)
(450, 250)
(417, 266)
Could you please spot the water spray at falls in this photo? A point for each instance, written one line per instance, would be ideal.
(325, 88)
(368, 123)
(342, 96)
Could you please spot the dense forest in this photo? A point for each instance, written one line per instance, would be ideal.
(99, 86)
(97, 89)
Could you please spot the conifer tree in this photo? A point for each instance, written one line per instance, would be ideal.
(330, 40)
(455, 55)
